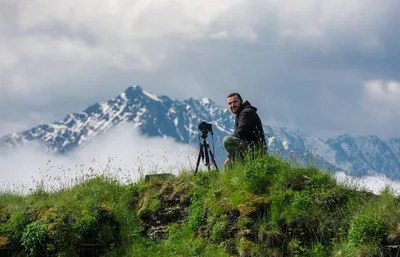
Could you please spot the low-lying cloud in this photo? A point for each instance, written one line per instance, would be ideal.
(374, 184)
(124, 154)
(121, 153)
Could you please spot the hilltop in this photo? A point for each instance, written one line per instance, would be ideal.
(264, 207)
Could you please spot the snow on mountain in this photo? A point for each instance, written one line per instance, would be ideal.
(299, 146)
(379, 154)
(161, 116)
(367, 155)
(348, 155)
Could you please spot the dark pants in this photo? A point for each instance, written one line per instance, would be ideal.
(235, 147)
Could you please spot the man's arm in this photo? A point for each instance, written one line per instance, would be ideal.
(244, 124)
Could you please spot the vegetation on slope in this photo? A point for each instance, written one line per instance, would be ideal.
(264, 207)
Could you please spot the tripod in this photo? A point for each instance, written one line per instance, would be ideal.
(205, 150)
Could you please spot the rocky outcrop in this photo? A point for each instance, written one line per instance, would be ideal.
(171, 210)
(162, 204)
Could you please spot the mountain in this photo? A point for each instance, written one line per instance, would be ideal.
(153, 115)
(161, 116)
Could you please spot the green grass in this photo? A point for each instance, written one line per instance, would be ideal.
(262, 207)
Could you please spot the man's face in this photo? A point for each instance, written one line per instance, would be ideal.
(234, 103)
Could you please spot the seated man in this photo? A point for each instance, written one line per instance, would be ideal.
(248, 133)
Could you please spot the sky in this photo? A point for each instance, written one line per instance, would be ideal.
(325, 67)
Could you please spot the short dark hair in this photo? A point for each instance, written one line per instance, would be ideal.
(236, 94)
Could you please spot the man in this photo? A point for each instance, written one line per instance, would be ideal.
(248, 133)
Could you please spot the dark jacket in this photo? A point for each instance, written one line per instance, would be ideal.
(248, 125)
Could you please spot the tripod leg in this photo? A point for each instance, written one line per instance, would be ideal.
(207, 157)
(201, 155)
(205, 145)
(212, 157)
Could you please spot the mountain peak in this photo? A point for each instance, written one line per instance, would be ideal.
(205, 100)
(133, 88)
(134, 91)
(136, 87)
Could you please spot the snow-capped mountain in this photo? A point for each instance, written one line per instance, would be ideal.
(153, 115)
(165, 117)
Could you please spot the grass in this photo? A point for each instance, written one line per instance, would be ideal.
(262, 207)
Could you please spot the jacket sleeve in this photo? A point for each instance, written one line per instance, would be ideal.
(244, 125)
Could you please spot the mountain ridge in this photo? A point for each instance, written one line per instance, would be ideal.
(162, 116)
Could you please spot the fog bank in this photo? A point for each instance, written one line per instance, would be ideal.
(121, 153)
(124, 154)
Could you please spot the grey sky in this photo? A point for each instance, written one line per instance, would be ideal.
(322, 66)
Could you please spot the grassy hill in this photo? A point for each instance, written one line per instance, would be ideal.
(264, 207)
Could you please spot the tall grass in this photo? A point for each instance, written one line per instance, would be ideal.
(264, 206)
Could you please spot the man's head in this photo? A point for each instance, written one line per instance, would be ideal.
(234, 102)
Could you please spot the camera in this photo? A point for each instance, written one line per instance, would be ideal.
(205, 127)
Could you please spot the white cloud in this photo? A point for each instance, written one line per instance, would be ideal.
(54, 40)
(374, 184)
(121, 153)
(64, 55)
(126, 155)
(29, 120)
(8, 59)
(382, 99)
(9, 126)
(324, 20)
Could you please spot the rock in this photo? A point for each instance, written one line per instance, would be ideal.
(172, 210)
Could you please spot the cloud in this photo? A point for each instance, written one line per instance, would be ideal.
(374, 184)
(334, 23)
(124, 154)
(59, 57)
(380, 102)
(121, 153)
(30, 119)
(140, 34)
(382, 98)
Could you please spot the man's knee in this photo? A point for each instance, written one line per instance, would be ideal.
(228, 141)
